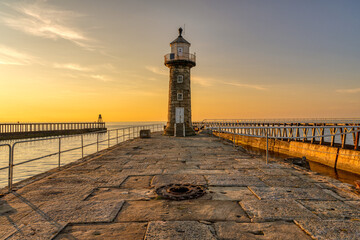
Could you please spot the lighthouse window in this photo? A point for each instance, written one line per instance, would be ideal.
(180, 51)
(180, 78)
(179, 96)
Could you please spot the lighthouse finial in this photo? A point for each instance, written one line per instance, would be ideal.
(180, 31)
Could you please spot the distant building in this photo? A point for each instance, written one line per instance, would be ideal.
(180, 61)
(100, 120)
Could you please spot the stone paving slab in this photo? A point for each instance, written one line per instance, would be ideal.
(274, 193)
(118, 231)
(190, 210)
(231, 193)
(162, 180)
(82, 211)
(273, 210)
(269, 230)
(142, 181)
(331, 230)
(49, 193)
(286, 181)
(232, 180)
(36, 227)
(331, 209)
(179, 230)
(111, 195)
(108, 194)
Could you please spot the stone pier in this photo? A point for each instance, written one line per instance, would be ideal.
(111, 195)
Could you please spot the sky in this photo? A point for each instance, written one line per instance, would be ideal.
(70, 60)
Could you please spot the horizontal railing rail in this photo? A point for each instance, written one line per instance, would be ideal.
(39, 127)
(126, 133)
(184, 56)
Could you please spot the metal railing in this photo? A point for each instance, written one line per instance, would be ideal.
(283, 120)
(270, 133)
(40, 127)
(126, 133)
(184, 56)
(293, 130)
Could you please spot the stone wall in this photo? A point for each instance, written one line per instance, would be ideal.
(342, 159)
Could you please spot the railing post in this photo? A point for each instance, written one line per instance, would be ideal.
(123, 134)
(97, 142)
(234, 138)
(108, 138)
(82, 146)
(117, 136)
(11, 166)
(267, 146)
(174, 129)
(184, 129)
(59, 160)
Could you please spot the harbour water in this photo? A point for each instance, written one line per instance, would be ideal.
(30, 150)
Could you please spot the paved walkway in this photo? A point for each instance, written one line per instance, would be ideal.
(111, 196)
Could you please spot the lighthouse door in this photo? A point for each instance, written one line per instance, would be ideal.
(179, 115)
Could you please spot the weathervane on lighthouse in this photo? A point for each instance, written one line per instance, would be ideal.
(180, 61)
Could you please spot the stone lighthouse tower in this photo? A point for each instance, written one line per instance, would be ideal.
(180, 61)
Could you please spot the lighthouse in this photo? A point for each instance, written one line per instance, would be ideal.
(179, 61)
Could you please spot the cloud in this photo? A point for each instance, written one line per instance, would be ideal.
(206, 82)
(257, 87)
(101, 77)
(351, 90)
(72, 66)
(157, 70)
(40, 19)
(11, 56)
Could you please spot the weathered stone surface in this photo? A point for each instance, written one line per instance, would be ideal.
(231, 180)
(114, 231)
(273, 193)
(231, 193)
(192, 171)
(270, 230)
(36, 226)
(331, 209)
(191, 210)
(137, 182)
(82, 211)
(179, 230)
(104, 194)
(276, 172)
(330, 229)
(161, 180)
(272, 210)
(286, 181)
(355, 204)
(49, 193)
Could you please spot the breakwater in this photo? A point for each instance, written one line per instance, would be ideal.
(33, 130)
(116, 195)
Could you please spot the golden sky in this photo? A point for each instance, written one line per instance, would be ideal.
(72, 60)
